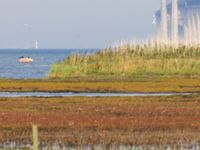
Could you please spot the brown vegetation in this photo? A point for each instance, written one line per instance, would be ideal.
(176, 84)
(106, 121)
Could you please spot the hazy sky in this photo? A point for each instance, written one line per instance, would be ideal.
(74, 23)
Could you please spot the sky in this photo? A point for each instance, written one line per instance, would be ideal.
(74, 23)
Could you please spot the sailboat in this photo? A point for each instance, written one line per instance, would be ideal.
(36, 45)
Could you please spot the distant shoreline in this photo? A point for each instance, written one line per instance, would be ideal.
(75, 49)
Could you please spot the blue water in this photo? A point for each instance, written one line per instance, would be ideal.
(43, 59)
(70, 94)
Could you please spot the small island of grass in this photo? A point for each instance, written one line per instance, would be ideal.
(130, 61)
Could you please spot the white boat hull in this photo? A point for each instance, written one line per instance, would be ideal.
(25, 60)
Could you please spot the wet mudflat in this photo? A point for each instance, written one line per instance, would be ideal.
(105, 121)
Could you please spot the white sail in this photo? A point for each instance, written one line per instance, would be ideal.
(36, 45)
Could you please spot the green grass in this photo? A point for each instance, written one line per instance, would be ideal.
(131, 60)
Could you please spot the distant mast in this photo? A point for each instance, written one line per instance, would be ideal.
(36, 45)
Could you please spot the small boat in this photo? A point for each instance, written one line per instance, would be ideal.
(25, 60)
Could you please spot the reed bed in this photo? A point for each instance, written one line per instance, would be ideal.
(130, 60)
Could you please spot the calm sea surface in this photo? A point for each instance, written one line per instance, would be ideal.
(43, 59)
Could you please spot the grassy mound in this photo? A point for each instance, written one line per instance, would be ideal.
(130, 60)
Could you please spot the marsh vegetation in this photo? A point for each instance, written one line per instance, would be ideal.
(131, 60)
(122, 85)
(108, 121)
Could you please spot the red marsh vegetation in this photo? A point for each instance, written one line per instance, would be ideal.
(106, 121)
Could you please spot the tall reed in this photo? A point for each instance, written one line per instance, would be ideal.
(130, 59)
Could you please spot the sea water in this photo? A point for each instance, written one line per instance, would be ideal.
(39, 68)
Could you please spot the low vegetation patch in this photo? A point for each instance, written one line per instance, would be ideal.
(102, 121)
(126, 85)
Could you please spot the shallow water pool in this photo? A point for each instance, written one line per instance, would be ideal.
(71, 94)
